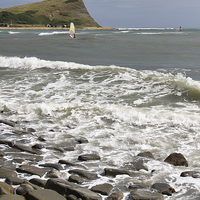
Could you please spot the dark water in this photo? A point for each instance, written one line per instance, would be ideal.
(127, 91)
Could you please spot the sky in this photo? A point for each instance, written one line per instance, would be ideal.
(137, 13)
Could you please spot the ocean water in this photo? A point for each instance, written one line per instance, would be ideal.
(127, 91)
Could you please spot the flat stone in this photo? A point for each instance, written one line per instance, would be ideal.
(87, 157)
(14, 181)
(103, 189)
(146, 154)
(9, 143)
(193, 174)
(45, 194)
(11, 197)
(163, 188)
(114, 172)
(31, 170)
(27, 149)
(84, 173)
(52, 165)
(54, 173)
(4, 173)
(76, 179)
(24, 189)
(7, 122)
(21, 132)
(66, 162)
(39, 182)
(145, 195)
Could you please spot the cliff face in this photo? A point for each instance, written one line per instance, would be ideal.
(59, 12)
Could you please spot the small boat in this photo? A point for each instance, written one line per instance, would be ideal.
(72, 30)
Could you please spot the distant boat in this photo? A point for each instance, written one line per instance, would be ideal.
(72, 30)
(180, 28)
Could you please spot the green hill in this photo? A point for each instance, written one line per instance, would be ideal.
(56, 12)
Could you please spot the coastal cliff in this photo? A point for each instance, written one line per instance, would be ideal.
(52, 12)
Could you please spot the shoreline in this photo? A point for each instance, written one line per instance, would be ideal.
(58, 28)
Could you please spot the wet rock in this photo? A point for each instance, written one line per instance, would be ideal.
(103, 189)
(39, 182)
(24, 189)
(9, 143)
(38, 146)
(44, 194)
(55, 174)
(4, 173)
(52, 165)
(116, 196)
(71, 197)
(176, 159)
(193, 174)
(114, 172)
(41, 138)
(14, 180)
(134, 186)
(60, 149)
(81, 140)
(5, 188)
(66, 162)
(2, 161)
(21, 132)
(31, 170)
(66, 188)
(7, 122)
(87, 157)
(32, 130)
(2, 154)
(144, 195)
(84, 173)
(27, 149)
(146, 154)
(11, 197)
(76, 179)
(163, 188)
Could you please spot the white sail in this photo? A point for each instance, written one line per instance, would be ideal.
(72, 30)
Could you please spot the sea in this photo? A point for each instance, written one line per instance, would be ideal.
(127, 90)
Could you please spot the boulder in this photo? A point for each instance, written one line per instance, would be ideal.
(38, 146)
(116, 196)
(55, 174)
(11, 197)
(84, 173)
(24, 189)
(76, 179)
(37, 181)
(4, 173)
(114, 172)
(9, 143)
(31, 170)
(44, 194)
(66, 188)
(7, 122)
(146, 154)
(5, 188)
(176, 159)
(87, 157)
(103, 189)
(52, 165)
(144, 195)
(193, 174)
(66, 162)
(163, 188)
(81, 140)
(27, 149)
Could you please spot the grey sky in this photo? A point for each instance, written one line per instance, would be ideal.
(137, 13)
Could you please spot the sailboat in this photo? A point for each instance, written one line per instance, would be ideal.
(72, 30)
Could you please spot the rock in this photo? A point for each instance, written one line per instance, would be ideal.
(76, 179)
(39, 182)
(144, 195)
(24, 189)
(66, 188)
(5, 188)
(41, 138)
(14, 181)
(7, 122)
(84, 173)
(32, 130)
(116, 196)
(86, 157)
(4, 173)
(138, 186)
(176, 159)
(163, 188)
(146, 154)
(2, 154)
(31, 170)
(81, 140)
(71, 197)
(52, 165)
(9, 143)
(44, 194)
(38, 146)
(27, 149)
(193, 174)
(11, 197)
(103, 189)
(114, 172)
(60, 149)
(66, 162)
(54, 173)
(21, 132)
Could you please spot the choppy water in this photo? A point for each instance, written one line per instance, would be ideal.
(126, 91)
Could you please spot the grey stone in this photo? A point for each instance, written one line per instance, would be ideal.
(176, 159)
(114, 172)
(116, 196)
(84, 173)
(87, 157)
(24, 189)
(14, 181)
(31, 170)
(144, 195)
(4, 173)
(103, 189)
(76, 179)
(52, 165)
(37, 181)
(11, 197)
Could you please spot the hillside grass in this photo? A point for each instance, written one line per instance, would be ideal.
(58, 12)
